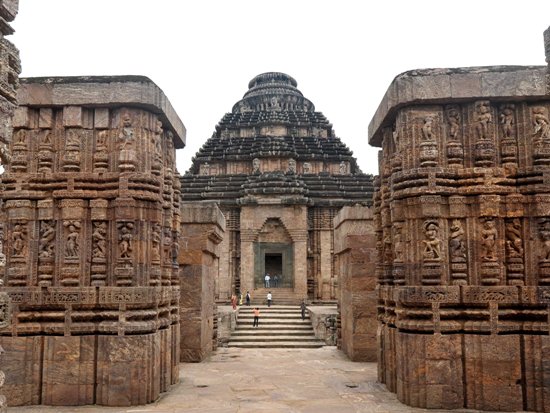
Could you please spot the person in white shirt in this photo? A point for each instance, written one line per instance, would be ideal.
(267, 278)
(269, 298)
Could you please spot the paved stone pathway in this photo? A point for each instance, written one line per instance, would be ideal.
(237, 380)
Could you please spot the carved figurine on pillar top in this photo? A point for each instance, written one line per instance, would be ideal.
(18, 247)
(544, 257)
(167, 241)
(19, 159)
(155, 272)
(99, 253)
(45, 152)
(124, 270)
(46, 256)
(508, 144)
(457, 253)
(484, 147)
(396, 160)
(70, 273)
(71, 157)
(428, 145)
(541, 136)
(101, 156)
(157, 164)
(398, 270)
(490, 268)
(126, 139)
(455, 150)
(431, 253)
(515, 274)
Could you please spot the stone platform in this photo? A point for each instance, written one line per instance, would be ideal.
(268, 380)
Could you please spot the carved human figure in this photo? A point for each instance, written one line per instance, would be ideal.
(205, 169)
(175, 249)
(5, 156)
(544, 233)
(457, 249)
(514, 243)
(71, 244)
(507, 121)
(19, 240)
(306, 167)
(47, 237)
(343, 168)
(427, 129)
(484, 119)
(125, 238)
(255, 165)
(395, 138)
(155, 242)
(488, 240)
(170, 151)
(388, 254)
(398, 246)
(99, 241)
(453, 119)
(541, 129)
(292, 166)
(432, 243)
(126, 135)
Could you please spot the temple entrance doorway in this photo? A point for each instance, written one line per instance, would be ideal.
(276, 260)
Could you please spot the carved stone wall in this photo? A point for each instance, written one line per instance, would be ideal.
(202, 229)
(355, 251)
(463, 238)
(91, 213)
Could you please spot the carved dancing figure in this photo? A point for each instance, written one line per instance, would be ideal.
(99, 240)
(488, 241)
(307, 167)
(47, 236)
(71, 245)
(507, 121)
(456, 241)
(427, 129)
(484, 118)
(432, 244)
(453, 118)
(541, 123)
(125, 239)
(514, 242)
(398, 243)
(343, 168)
(395, 138)
(126, 135)
(255, 165)
(19, 240)
(155, 242)
(292, 166)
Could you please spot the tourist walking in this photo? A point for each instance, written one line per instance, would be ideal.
(303, 308)
(256, 321)
(247, 298)
(267, 279)
(234, 301)
(269, 298)
(240, 298)
(276, 280)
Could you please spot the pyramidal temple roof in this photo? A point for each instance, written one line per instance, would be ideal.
(275, 140)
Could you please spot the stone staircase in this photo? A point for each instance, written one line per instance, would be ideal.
(281, 326)
(281, 296)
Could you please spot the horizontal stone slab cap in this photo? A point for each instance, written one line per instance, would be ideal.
(102, 91)
(454, 85)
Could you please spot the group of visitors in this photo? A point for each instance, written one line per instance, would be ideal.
(270, 282)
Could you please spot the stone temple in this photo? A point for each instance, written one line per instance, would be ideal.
(279, 174)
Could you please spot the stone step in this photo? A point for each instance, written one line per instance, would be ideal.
(291, 316)
(273, 338)
(275, 321)
(252, 331)
(275, 327)
(282, 344)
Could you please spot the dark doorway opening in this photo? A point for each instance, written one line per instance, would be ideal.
(274, 265)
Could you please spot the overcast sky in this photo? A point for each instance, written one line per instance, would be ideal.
(343, 53)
